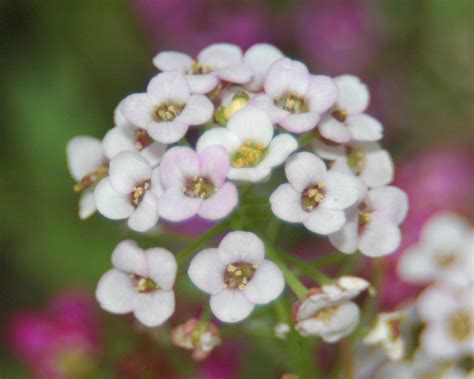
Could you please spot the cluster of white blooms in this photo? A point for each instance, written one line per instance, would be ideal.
(204, 127)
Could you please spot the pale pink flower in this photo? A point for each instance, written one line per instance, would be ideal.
(259, 58)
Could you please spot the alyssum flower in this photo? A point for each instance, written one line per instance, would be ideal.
(237, 276)
(314, 196)
(140, 282)
(194, 183)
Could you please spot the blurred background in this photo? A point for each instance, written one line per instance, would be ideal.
(66, 64)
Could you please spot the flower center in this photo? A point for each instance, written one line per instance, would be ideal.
(312, 197)
(197, 68)
(325, 315)
(91, 179)
(168, 111)
(460, 325)
(199, 187)
(143, 284)
(138, 193)
(356, 160)
(339, 114)
(238, 275)
(364, 218)
(142, 139)
(291, 102)
(250, 154)
(445, 259)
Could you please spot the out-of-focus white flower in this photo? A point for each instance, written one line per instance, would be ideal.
(250, 142)
(294, 98)
(346, 120)
(281, 330)
(314, 196)
(219, 61)
(131, 191)
(386, 333)
(445, 253)
(140, 282)
(373, 226)
(259, 58)
(237, 276)
(87, 165)
(168, 108)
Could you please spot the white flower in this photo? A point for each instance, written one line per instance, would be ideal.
(294, 98)
(140, 282)
(87, 165)
(366, 160)
(281, 330)
(125, 136)
(219, 61)
(347, 121)
(386, 333)
(443, 253)
(130, 192)
(249, 140)
(237, 276)
(449, 318)
(167, 109)
(259, 58)
(373, 226)
(314, 196)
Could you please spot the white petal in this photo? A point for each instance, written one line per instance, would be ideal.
(333, 130)
(175, 206)
(322, 93)
(153, 153)
(364, 128)
(154, 308)
(279, 150)
(219, 137)
(115, 292)
(220, 55)
(214, 164)
(249, 174)
(286, 76)
(301, 122)
(390, 370)
(110, 203)
(329, 152)
(119, 118)
(167, 132)
(346, 240)
(129, 258)
(325, 221)
(202, 83)
(220, 204)
(87, 205)
(145, 215)
(178, 165)
(436, 303)
(305, 169)
(390, 201)
(231, 305)
(198, 110)
(266, 104)
(162, 267)
(170, 86)
(416, 266)
(237, 73)
(128, 170)
(156, 188)
(266, 284)
(342, 190)
(119, 139)
(259, 58)
(138, 109)
(241, 247)
(353, 94)
(436, 342)
(379, 237)
(313, 304)
(286, 204)
(173, 61)
(206, 271)
(378, 168)
(342, 323)
(251, 124)
(444, 231)
(84, 156)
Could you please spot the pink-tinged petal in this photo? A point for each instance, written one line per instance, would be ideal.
(178, 165)
(353, 94)
(154, 308)
(173, 61)
(202, 83)
(115, 292)
(128, 170)
(87, 205)
(325, 221)
(167, 132)
(279, 150)
(259, 58)
(334, 130)
(237, 73)
(390, 201)
(266, 284)
(329, 152)
(220, 55)
(346, 239)
(249, 174)
(322, 93)
(84, 156)
(219, 137)
(221, 203)
(378, 168)
(364, 128)
(138, 108)
(231, 306)
(379, 237)
(110, 203)
(130, 258)
(145, 215)
(266, 104)
(214, 164)
(162, 267)
(301, 122)
(251, 124)
(175, 206)
(286, 76)
(341, 190)
(119, 139)
(170, 86)
(416, 266)
(206, 271)
(156, 188)
(241, 247)
(286, 204)
(198, 110)
(305, 169)
(153, 153)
